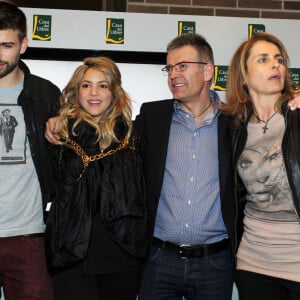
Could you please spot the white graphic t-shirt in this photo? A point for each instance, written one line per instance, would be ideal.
(262, 170)
(21, 209)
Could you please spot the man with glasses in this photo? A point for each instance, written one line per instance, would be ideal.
(188, 179)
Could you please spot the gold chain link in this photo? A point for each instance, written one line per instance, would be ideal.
(87, 159)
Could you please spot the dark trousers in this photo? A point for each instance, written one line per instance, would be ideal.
(23, 271)
(8, 138)
(261, 287)
(72, 284)
(167, 276)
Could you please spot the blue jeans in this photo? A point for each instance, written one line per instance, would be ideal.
(166, 276)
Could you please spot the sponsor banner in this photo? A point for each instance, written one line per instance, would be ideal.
(41, 28)
(114, 31)
(185, 27)
(220, 78)
(254, 29)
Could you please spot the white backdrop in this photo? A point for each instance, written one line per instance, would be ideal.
(72, 29)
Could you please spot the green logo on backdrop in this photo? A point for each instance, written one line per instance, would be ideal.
(186, 27)
(114, 31)
(253, 29)
(220, 78)
(295, 75)
(41, 28)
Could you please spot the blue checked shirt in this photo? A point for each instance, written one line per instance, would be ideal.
(189, 209)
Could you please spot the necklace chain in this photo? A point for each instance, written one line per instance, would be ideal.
(201, 113)
(265, 128)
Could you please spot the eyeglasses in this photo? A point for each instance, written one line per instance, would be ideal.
(180, 67)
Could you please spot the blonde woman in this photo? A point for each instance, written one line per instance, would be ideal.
(96, 231)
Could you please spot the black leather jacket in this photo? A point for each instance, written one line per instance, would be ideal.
(290, 151)
(40, 101)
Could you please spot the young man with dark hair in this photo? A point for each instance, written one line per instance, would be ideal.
(26, 174)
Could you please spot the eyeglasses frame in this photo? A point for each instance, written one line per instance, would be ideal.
(170, 67)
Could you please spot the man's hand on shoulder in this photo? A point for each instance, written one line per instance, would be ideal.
(50, 134)
(295, 102)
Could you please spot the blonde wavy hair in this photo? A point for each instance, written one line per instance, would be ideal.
(120, 106)
(238, 100)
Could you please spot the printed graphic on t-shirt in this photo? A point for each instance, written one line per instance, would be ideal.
(263, 172)
(12, 134)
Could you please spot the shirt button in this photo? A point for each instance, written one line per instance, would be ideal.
(193, 156)
(192, 179)
(186, 225)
